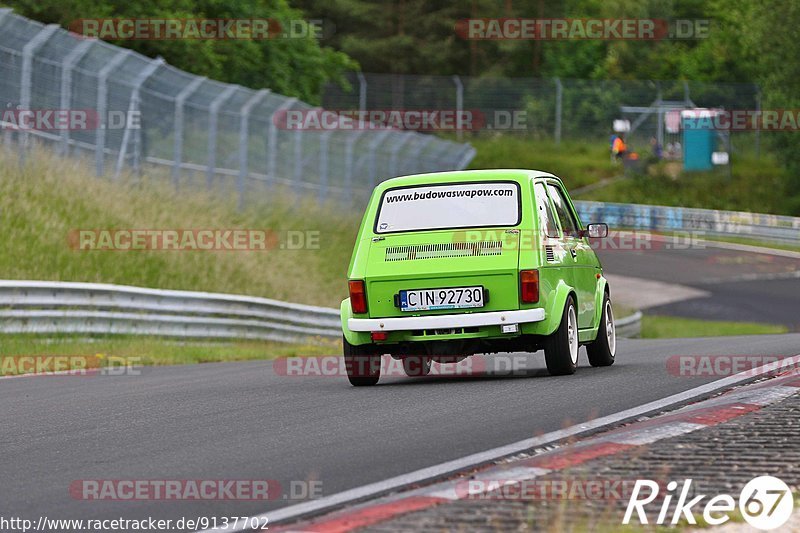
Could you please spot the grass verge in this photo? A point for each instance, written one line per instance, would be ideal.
(45, 200)
(756, 184)
(578, 163)
(94, 352)
(668, 327)
(98, 351)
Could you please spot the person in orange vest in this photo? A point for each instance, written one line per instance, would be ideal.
(618, 148)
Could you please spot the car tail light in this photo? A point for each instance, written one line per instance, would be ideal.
(379, 336)
(358, 296)
(529, 286)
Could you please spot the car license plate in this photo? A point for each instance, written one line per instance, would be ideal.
(432, 299)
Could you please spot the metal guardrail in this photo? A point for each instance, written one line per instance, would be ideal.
(630, 326)
(52, 307)
(759, 226)
(56, 307)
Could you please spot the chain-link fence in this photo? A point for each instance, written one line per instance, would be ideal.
(201, 132)
(546, 108)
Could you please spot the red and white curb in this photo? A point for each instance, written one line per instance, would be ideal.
(691, 418)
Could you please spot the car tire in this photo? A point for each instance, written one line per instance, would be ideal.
(602, 350)
(417, 365)
(561, 348)
(362, 365)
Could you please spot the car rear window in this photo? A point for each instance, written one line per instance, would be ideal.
(449, 206)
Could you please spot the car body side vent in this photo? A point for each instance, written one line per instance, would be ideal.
(450, 249)
(551, 256)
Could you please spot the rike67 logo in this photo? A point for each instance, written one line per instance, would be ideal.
(766, 503)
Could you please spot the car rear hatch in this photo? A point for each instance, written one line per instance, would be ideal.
(439, 260)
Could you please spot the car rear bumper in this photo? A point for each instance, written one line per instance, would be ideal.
(463, 320)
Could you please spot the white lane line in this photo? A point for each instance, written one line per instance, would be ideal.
(726, 245)
(753, 277)
(455, 490)
(357, 494)
(749, 248)
(653, 434)
(764, 396)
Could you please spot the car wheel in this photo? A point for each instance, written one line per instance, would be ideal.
(416, 365)
(602, 351)
(363, 367)
(561, 348)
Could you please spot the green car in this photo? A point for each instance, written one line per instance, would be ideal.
(451, 264)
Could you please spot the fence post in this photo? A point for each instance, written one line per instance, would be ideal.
(362, 92)
(559, 98)
(297, 175)
(660, 116)
(177, 150)
(396, 153)
(324, 142)
(272, 161)
(26, 82)
(459, 106)
(67, 66)
(373, 155)
(213, 119)
(102, 109)
(148, 71)
(244, 137)
(4, 12)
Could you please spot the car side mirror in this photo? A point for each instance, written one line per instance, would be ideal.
(597, 231)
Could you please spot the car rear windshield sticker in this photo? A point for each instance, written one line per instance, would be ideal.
(462, 205)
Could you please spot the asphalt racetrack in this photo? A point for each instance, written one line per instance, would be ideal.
(739, 286)
(244, 421)
(234, 421)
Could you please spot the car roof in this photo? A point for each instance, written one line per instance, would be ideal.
(455, 176)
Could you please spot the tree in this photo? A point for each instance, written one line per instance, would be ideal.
(296, 66)
(773, 48)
